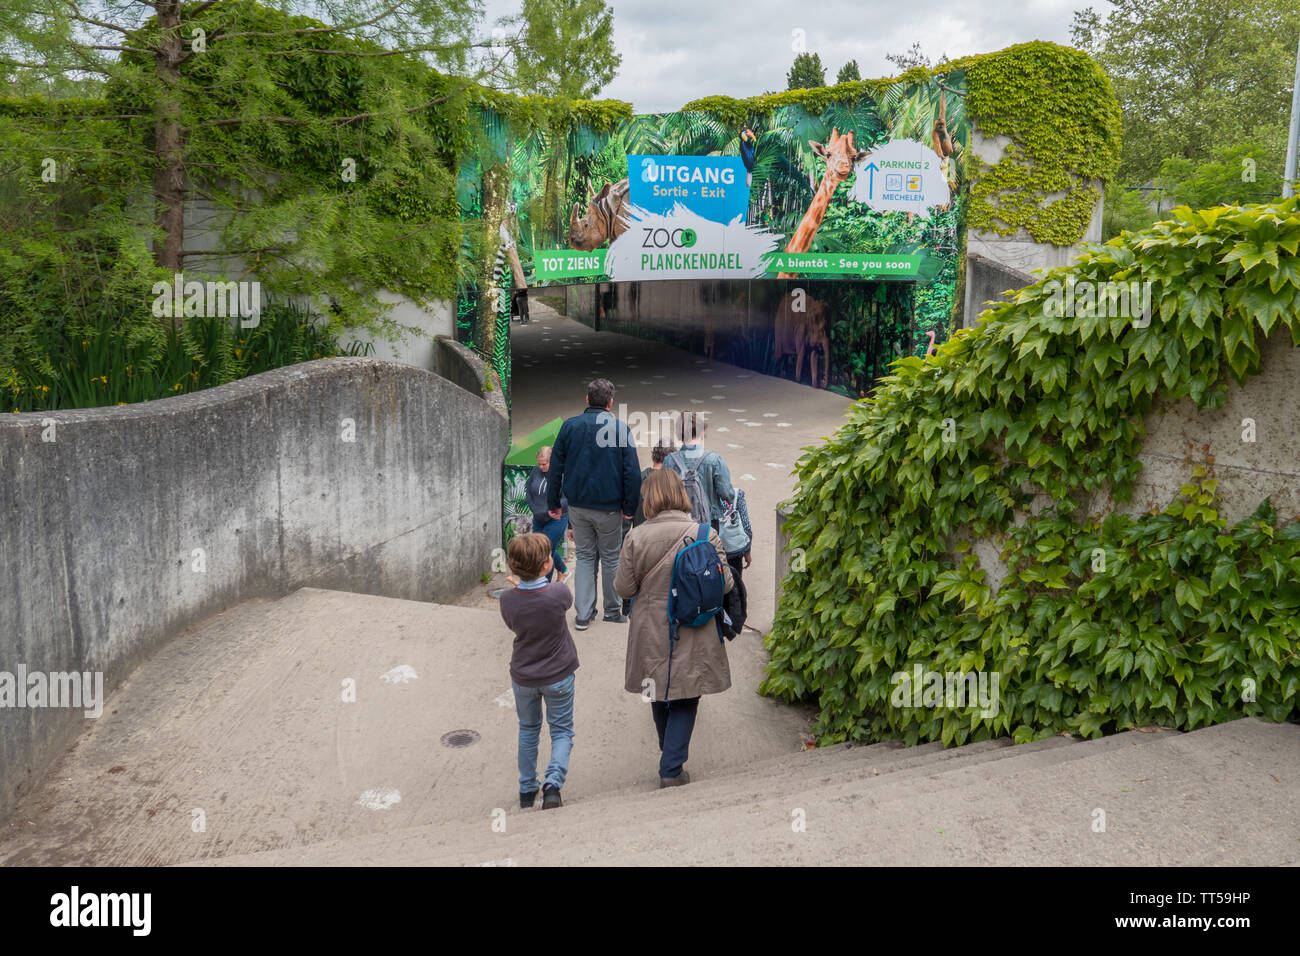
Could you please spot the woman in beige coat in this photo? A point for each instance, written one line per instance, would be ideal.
(699, 658)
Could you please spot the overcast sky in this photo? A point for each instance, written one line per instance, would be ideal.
(676, 50)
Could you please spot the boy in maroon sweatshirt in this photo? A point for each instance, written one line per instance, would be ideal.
(542, 664)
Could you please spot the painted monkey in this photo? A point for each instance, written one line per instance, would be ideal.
(942, 142)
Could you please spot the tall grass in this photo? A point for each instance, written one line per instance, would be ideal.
(112, 363)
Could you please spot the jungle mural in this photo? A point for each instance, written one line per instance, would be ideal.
(821, 246)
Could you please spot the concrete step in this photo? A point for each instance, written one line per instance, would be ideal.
(627, 822)
(621, 819)
(1162, 798)
(1209, 798)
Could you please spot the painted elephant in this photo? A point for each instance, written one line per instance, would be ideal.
(605, 220)
(800, 333)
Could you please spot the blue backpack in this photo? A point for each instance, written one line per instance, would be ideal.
(695, 590)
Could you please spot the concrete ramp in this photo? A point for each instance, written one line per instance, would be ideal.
(236, 737)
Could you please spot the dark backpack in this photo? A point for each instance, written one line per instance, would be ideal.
(694, 486)
(695, 590)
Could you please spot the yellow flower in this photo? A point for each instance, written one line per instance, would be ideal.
(176, 387)
(238, 352)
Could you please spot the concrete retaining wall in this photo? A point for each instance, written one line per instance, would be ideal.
(459, 365)
(989, 282)
(416, 347)
(136, 521)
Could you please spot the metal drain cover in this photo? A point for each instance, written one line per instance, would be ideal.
(459, 738)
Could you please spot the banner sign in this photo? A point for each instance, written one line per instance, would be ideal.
(862, 190)
(859, 207)
(712, 187)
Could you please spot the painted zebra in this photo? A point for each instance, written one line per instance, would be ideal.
(501, 274)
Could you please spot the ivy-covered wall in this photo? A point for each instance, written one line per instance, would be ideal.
(1057, 108)
(1010, 434)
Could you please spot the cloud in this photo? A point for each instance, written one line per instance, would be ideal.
(677, 50)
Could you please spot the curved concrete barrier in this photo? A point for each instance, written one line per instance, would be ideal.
(121, 526)
(457, 363)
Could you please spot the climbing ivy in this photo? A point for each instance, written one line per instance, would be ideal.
(1013, 432)
(528, 113)
(815, 100)
(1057, 108)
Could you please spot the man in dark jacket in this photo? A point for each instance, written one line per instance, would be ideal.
(594, 466)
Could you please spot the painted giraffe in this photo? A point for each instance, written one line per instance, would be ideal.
(841, 156)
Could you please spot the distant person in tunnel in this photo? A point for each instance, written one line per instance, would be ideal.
(661, 450)
(594, 466)
(543, 523)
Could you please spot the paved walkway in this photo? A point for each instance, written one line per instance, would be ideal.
(240, 723)
(759, 424)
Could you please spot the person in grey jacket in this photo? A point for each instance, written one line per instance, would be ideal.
(713, 471)
(543, 523)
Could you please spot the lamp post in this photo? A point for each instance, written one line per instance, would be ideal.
(1289, 183)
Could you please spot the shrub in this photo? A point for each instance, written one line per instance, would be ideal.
(1188, 617)
(112, 361)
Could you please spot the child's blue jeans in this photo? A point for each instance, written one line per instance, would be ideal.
(554, 529)
(559, 714)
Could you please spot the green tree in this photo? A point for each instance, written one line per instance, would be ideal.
(849, 71)
(806, 73)
(1233, 174)
(1129, 208)
(1195, 76)
(560, 48)
(314, 145)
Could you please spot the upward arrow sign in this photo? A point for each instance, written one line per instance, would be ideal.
(871, 180)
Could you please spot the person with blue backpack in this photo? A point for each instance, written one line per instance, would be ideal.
(674, 570)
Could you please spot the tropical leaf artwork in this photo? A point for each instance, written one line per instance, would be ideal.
(555, 171)
(516, 517)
